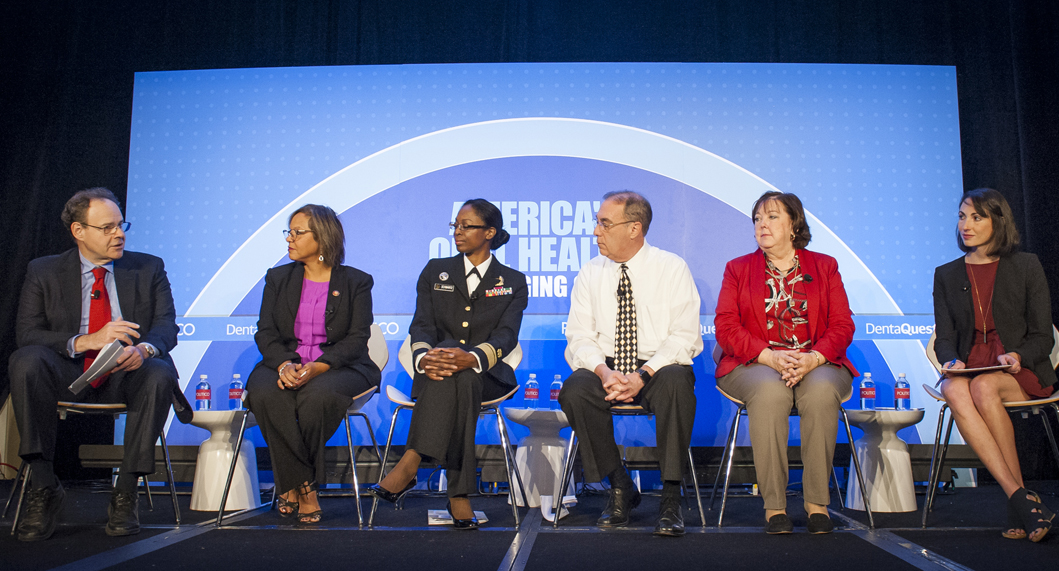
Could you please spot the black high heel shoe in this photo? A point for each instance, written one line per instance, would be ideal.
(388, 496)
(461, 523)
(1036, 517)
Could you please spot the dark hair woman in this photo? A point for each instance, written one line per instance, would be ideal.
(991, 307)
(313, 333)
(784, 324)
(468, 314)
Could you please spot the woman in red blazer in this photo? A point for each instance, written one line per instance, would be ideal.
(784, 323)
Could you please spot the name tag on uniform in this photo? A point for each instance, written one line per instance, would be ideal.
(497, 291)
(444, 287)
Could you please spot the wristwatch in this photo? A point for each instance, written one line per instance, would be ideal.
(148, 349)
(644, 375)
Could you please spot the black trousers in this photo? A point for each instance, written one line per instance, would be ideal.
(444, 421)
(670, 396)
(40, 377)
(296, 424)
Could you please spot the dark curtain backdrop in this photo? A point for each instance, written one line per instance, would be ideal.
(67, 75)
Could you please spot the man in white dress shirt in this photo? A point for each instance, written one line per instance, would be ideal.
(631, 335)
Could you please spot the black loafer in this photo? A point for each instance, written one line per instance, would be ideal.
(779, 524)
(820, 523)
(41, 515)
(123, 514)
(388, 496)
(670, 520)
(461, 523)
(619, 505)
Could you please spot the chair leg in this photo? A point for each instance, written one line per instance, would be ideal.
(724, 453)
(728, 470)
(944, 451)
(1051, 435)
(231, 469)
(695, 482)
(512, 470)
(934, 465)
(21, 496)
(353, 469)
(564, 480)
(172, 479)
(374, 443)
(856, 467)
(14, 486)
(147, 491)
(382, 468)
(838, 488)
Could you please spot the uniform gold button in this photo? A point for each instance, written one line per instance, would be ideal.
(465, 324)
(468, 308)
(462, 341)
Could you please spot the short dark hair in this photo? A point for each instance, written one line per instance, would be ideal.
(76, 209)
(793, 206)
(989, 203)
(636, 207)
(327, 230)
(492, 218)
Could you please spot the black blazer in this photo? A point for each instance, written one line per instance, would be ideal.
(485, 322)
(49, 309)
(1021, 310)
(348, 319)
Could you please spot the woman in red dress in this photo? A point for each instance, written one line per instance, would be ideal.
(991, 307)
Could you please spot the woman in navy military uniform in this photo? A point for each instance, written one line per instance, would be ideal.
(468, 314)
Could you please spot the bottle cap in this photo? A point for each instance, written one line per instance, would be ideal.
(202, 376)
(236, 376)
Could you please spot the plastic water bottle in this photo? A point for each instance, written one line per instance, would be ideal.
(533, 392)
(867, 392)
(235, 393)
(902, 393)
(203, 394)
(553, 394)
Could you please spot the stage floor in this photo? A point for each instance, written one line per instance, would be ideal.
(964, 534)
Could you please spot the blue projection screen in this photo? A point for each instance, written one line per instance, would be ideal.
(219, 159)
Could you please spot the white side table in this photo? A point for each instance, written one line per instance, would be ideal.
(540, 455)
(884, 459)
(215, 457)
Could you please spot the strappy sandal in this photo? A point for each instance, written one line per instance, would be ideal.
(313, 517)
(1036, 517)
(1014, 526)
(286, 508)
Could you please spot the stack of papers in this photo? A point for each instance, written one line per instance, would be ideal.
(105, 361)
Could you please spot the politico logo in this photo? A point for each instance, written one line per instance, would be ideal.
(899, 329)
(389, 327)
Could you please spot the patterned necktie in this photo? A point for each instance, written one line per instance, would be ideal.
(98, 316)
(625, 352)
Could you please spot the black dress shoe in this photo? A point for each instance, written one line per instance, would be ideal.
(820, 523)
(123, 513)
(388, 496)
(619, 505)
(461, 523)
(779, 524)
(41, 514)
(670, 520)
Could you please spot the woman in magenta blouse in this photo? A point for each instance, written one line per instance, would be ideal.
(313, 334)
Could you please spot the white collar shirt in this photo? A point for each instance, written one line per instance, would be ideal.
(667, 310)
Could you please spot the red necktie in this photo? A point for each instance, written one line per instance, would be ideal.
(98, 316)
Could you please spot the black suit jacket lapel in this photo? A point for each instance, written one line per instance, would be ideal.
(459, 276)
(125, 283)
(70, 285)
(489, 280)
(294, 293)
(337, 284)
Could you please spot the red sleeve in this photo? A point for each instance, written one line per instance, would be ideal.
(733, 317)
(838, 333)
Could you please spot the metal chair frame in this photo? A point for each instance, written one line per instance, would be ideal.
(1023, 407)
(729, 453)
(404, 402)
(571, 451)
(64, 408)
(380, 355)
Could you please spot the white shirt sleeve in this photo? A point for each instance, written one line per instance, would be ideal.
(681, 304)
(582, 345)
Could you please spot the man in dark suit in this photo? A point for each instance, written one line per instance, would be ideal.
(72, 305)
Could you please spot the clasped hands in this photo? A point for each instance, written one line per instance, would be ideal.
(293, 375)
(619, 386)
(442, 362)
(124, 331)
(791, 365)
